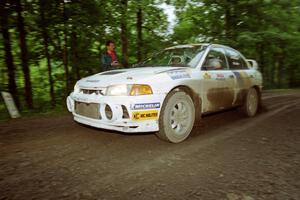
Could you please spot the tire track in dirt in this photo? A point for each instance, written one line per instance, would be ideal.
(69, 152)
(176, 153)
(73, 158)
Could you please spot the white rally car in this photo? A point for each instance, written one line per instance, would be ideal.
(168, 92)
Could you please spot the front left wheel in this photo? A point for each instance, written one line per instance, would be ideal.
(252, 102)
(177, 117)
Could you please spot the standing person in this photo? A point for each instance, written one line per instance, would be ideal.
(109, 58)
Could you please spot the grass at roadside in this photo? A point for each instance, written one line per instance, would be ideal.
(281, 91)
(34, 113)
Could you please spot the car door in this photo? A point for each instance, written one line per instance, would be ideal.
(242, 75)
(218, 81)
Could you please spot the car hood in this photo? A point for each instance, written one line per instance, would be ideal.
(124, 76)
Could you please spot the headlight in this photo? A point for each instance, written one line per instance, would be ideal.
(117, 90)
(128, 90)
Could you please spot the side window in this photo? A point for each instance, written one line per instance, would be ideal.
(245, 65)
(235, 60)
(215, 60)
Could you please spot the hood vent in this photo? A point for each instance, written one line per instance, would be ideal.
(112, 72)
(97, 92)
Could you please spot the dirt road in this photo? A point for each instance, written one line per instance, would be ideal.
(227, 157)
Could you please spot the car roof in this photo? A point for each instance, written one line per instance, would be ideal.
(186, 46)
(195, 45)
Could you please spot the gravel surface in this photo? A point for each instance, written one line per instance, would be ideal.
(227, 156)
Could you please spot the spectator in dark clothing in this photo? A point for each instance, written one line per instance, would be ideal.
(109, 58)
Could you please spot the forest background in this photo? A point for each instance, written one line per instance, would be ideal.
(47, 45)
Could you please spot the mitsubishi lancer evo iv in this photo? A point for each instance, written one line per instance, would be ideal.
(168, 92)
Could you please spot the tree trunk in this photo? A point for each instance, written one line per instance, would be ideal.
(260, 49)
(280, 70)
(230, 22)
(139, 42)
(46, 49)
(273, 71)
(74, 55)
(292, 76)
(124, 38)
(12, 86)
(281, 62)
(65, 48)
(227, 20)
(24, 55)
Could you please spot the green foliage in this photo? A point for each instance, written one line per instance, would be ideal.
(266, 30)
(84, 26)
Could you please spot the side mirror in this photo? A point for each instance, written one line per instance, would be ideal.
(253, 64)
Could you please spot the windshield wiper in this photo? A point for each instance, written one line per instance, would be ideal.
(142, 65)
(179, 65)
(159, 65)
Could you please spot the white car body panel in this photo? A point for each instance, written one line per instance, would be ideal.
(217, 90)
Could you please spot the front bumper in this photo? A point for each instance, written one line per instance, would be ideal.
(143, 111)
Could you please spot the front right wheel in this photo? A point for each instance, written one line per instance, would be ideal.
(177, 117)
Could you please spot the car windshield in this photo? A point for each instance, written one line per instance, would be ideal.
(183, 56)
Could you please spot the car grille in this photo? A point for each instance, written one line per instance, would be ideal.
(89, 91)
(90, 110)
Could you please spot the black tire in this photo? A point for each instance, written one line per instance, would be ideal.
(177, 117)
(251, 103)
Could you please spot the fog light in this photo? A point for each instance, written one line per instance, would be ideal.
(125, 112)
(108, 112)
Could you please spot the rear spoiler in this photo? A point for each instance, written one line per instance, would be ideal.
(253, 64)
